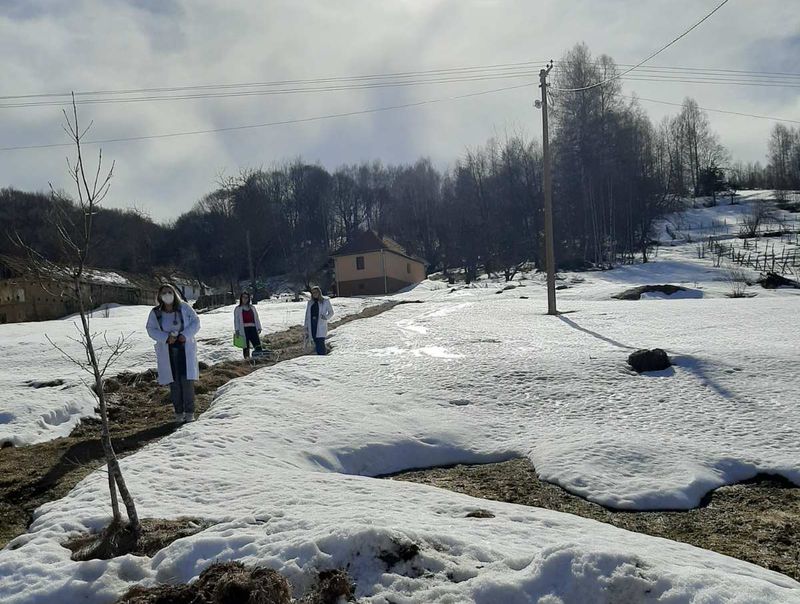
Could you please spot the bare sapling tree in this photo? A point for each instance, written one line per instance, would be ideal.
(737, 280)
(74, 225)
(752, 220)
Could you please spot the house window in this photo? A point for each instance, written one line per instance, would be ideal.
(360, 263)
(408, 267)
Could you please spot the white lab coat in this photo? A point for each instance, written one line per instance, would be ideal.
(238, 324)
(325, 314)
(191, 325)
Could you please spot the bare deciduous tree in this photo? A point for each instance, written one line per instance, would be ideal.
(752, 220)
(75, 237)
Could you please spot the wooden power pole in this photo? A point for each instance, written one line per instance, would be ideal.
(251, 266)
(550, 263)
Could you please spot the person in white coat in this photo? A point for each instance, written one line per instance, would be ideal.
(247, 324)
(173, 325)
(319, 311)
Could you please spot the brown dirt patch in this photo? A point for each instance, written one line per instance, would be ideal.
(235, 583)
(156, 534)
(224, 583)
(139, 413)
(757, 521)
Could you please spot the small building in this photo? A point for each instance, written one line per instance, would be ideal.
(25, 296)
(189, 287)
(369, 264)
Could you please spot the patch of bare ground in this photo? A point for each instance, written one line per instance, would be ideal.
(235, 583)
(156, 534)
(139, 413)
(757, 520)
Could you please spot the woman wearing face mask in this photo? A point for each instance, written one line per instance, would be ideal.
(247, 324)
(318, 312)
(173, 325)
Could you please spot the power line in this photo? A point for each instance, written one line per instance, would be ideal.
(389, 75)
(269, 124)
(363, 112)
(322, 84)
(684, 69)
(660, 50)
(388, 80)
(280, 91)
(696, 74)
(641, 75)
(709, 81)
(473, 77)
(762, 117)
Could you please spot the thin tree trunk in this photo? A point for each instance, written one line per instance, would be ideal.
(108, 448)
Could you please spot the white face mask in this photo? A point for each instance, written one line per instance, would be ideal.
(167, 298)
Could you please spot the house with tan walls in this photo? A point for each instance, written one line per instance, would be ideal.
(369, 264)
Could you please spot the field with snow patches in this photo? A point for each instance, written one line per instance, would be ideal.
(285, 460)
(42, 395)
(706, 232)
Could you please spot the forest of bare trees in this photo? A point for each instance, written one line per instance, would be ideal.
(782, 170)
(614, 173)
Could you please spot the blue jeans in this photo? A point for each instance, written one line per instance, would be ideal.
(319, 344)
(181, 390)
(182, 394)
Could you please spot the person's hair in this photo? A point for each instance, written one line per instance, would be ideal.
(176, 304)
(242, 295)
(319, 289)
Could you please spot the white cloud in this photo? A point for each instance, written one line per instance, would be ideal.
(96, 45)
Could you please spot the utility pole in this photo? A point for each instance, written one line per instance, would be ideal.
(253, 284)
(550, 263)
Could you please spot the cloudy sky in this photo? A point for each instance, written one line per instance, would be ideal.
(55, 46)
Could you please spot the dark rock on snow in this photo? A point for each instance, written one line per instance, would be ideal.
(649, 360)
(635, 293)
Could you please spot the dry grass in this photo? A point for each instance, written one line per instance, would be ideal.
(113, 541)
(224, 583)
(757, 521)
(235, 583)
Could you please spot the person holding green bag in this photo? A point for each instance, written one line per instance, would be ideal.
(246, 326)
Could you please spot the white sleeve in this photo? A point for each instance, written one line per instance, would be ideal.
(192, 324)
(154, 329)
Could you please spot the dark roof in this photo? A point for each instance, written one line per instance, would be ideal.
(59, 272)
(362, 242)
(14, 264)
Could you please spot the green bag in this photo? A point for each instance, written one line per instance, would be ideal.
(238, 340)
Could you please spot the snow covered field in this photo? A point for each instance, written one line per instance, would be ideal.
(41, 394)
(285, 460)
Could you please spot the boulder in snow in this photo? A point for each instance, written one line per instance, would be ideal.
(774, 281)
(649, 360)
(635, 293)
